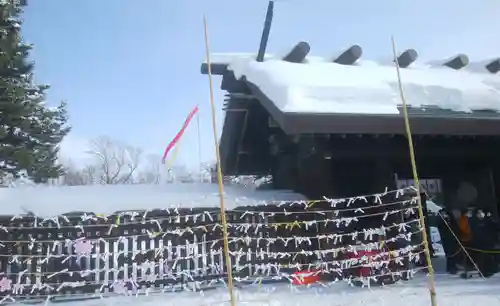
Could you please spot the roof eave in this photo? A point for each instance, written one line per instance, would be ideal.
(389, 124)
(448, 123)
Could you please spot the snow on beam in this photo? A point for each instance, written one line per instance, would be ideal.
(457, 62)
(298, 53)
(493, 66)
(349, 56)
(406, 58)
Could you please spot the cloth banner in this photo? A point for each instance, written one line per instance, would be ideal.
(179, 134)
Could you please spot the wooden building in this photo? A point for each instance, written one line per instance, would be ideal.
(334, 127)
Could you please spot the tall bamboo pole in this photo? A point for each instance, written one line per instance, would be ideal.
(219, 172)
(432, 283)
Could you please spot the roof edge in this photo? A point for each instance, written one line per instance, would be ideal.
(423, 122)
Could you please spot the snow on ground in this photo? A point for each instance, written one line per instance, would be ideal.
(436, 241)
(106, 199)
(366, 88)
(451, 291)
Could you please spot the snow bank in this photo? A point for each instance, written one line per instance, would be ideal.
(106, 199)
(366, 88)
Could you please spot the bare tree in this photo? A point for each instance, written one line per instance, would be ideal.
(72, 175)
(115, 163)
(89, 173)
(208, 170)
(133, 160)
(152, 172)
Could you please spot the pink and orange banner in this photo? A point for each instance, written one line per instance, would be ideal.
(179, 134)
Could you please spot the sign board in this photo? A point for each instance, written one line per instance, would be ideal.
(433, 187)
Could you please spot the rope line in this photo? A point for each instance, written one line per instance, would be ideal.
(176, 218)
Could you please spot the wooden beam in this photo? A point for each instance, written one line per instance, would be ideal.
(349, 56)
(298, 53)
(265, 32)
(217, 68)
(493, 66)
(406, 58)
(395, 151)
(457, 62)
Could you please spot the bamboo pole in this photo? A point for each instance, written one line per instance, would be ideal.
(219, 172)
(432, 283)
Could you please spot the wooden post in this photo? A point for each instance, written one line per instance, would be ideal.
(265, 32)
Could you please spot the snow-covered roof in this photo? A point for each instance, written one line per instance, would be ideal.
(106, 199)
(366, 87)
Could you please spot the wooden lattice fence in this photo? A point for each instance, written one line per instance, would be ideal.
(82, 254)
(158, 249)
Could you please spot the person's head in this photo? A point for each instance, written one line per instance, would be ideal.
(480, 214)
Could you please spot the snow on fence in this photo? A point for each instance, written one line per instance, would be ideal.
(84, 254)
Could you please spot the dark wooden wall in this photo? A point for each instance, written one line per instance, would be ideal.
(452, 159)
(244, 145)
(356, 165)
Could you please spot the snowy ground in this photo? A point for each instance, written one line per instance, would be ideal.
(451, 290)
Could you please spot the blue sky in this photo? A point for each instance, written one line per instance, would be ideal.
(130, 69)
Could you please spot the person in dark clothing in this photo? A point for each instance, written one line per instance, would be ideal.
(482, 244)
(493, 229)
(492, 226)
(446, 224)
